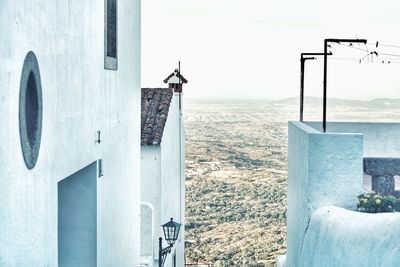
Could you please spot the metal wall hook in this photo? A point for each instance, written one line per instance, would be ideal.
(98, 137)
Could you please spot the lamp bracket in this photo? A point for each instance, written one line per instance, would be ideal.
(164, 253)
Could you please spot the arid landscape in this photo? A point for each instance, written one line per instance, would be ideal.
(236, 169)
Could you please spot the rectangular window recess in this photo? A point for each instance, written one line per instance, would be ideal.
(77, 219)
(110, 35)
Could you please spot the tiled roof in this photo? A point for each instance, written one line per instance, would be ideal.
(155, 107)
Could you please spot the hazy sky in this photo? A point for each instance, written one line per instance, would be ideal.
(251, 48)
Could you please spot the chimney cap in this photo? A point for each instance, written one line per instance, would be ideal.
(175, 77)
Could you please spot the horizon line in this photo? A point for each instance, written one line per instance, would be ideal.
(283, 98)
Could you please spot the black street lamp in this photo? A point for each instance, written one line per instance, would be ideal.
(171, 232)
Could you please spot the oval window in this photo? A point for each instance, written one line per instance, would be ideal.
(30, 110)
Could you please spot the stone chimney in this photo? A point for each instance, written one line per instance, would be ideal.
(175, 81)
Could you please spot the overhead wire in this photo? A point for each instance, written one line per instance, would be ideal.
(378, 61)
(344, 58)
(379, 53)
(385, 45)
(370, 55)
(388, 54)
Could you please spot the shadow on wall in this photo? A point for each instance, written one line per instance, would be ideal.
(77, 219)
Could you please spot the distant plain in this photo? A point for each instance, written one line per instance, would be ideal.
(236, 173)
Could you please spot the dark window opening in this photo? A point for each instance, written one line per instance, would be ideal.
(31, 110)
(111, 28)
(111, 34)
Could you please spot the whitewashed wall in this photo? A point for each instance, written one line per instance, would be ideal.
(151, 196)
(347, 238)
(323, 169)
(379, 139)
(163, 182)
(325, 177)
(79, 98)
(147, 236)
(173, 175)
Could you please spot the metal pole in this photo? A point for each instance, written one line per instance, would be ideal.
(325, 77)
(181, 203)
(301, 87)
(180, 86)
(303, 60)
(364, 41)
(160, 252)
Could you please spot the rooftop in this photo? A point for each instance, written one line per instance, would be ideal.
(155, 107)
(178, 78)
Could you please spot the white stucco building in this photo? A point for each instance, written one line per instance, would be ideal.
(162, 171)
(70, 133)
(324, 178)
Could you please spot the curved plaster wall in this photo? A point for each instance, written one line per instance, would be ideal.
(346, 238)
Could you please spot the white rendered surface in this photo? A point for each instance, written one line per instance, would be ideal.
(280, 261)
(379, 139)
(174, 79)
(163, 182)
(346, 238)
(79, 98)
(147, 237)
(325, 177)
(173, 176)
(151, 197)
(324, 169)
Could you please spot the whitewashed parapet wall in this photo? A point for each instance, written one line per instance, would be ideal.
(80, 97)
(347, 238)
(324, 169)
(325, 177)
(380, 139)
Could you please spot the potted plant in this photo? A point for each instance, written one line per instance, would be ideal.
(373, 203)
